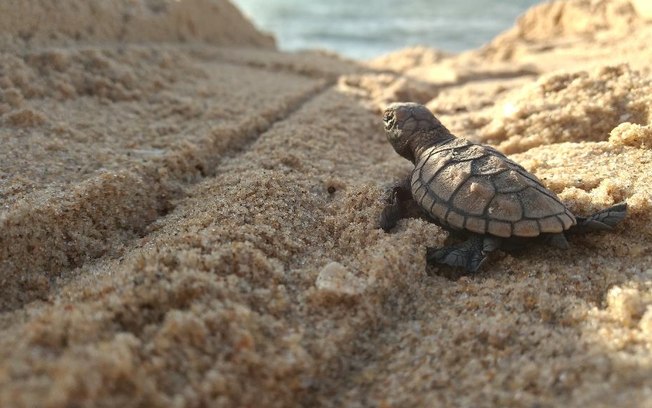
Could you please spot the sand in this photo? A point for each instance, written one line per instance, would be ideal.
(189, 216)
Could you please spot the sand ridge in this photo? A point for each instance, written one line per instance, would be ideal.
(191, 224)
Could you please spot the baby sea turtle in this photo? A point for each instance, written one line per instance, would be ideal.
(464, 186)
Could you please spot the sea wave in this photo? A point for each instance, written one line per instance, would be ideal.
(367, 29)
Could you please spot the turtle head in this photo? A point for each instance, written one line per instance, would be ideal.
(411, 126)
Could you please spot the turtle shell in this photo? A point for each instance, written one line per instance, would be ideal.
(476, 188)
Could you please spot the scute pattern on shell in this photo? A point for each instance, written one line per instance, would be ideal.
(468, 186)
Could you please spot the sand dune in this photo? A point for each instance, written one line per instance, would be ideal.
(189, 216)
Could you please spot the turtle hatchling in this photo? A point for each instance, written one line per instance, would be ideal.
(474, 189)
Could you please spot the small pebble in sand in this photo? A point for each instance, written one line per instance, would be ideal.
(335, 278)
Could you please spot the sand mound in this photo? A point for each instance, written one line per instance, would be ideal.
(37, 23)
(605, 31)
(196, 225)
(571, 18)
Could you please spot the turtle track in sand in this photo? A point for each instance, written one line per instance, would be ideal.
(60, 219)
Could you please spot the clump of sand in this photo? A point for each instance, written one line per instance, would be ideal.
(408, 58)
(196, 224)
(569, 107)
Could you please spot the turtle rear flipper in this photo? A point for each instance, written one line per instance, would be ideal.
(556, 240)
(603, 220)
(469, 254)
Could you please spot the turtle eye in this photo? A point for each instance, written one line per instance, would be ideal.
(388, 119)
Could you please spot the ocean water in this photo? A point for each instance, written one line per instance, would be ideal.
(365, 29)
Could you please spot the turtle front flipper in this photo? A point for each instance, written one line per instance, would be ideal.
(603, 220)
(390, 216)
(400, 204)
(469, 254)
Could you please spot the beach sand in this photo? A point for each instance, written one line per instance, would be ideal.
(189, 216)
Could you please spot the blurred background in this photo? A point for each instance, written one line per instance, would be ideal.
(366, 29)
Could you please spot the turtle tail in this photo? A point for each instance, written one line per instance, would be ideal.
(603, 220)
